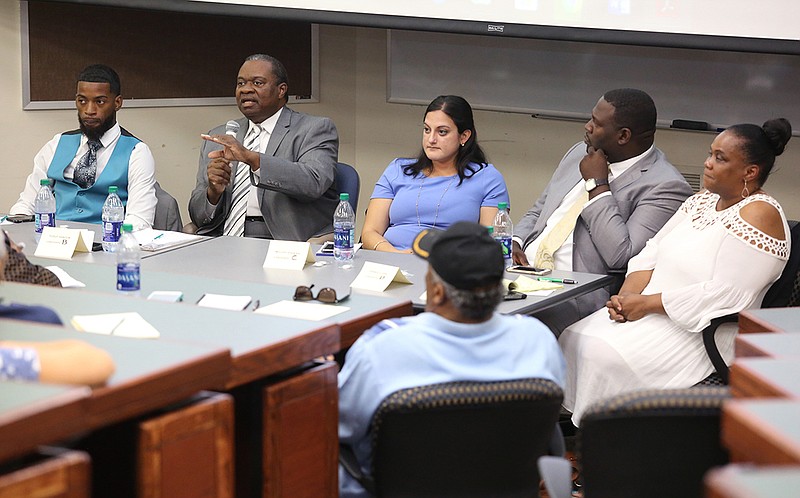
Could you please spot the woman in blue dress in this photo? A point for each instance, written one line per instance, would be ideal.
(449, 181)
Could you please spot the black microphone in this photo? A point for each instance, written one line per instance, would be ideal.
(231, 128)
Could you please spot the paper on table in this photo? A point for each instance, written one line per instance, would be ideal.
(304, 311)
(155, 240)
(65, 278)
(531, 286)
(224, 302)
(119, 324)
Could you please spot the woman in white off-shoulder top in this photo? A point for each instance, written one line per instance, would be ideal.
(717, 255)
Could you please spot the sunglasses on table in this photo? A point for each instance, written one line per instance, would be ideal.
(325, 295)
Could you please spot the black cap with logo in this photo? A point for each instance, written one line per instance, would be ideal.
(464, 255)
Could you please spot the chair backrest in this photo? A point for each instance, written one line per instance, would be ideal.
(347, 180)
(786, 290)
(464, 438)
(654, 443)
(168, 213)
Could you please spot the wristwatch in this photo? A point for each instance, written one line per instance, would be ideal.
(593, 183)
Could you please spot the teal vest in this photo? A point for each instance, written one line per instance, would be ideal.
(74, 203)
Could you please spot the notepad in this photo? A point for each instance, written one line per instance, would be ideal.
(225, 302)
(129, 324)
(156, 240)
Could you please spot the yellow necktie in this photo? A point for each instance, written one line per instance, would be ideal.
(555, 239)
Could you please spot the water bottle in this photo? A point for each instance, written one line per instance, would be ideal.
(128, 263)
(344, 230)
(44, 208)
(502, 230)
(113, 214)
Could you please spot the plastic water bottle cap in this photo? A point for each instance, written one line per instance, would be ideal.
(502, 206)
(127, 227)
(344, 196)
(113, 189)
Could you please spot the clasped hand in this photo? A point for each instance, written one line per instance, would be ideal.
(628, 307)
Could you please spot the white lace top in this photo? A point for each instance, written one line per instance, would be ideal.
(702, 209)
(709, 263)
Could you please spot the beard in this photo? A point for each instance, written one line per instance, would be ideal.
(99, 130)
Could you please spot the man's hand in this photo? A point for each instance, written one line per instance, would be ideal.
(594, 164)
(233, 150)
(219, 176)
(518, 255)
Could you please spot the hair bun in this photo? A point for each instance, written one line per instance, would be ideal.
(778, 131)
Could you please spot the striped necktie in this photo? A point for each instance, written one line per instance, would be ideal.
(86, 169)
(234, 224)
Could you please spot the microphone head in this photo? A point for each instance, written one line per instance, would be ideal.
(231, 128)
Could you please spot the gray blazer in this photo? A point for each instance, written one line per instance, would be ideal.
(296, 192)
(615, 227)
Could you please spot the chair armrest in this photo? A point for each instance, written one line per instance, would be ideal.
(711, 345)
(557, 475)
(349, 462)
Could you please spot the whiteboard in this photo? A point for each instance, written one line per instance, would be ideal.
(563, 79)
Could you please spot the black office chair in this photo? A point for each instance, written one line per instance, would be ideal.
(653, 443)
(464, 439)
(784, 292)
(347, 180)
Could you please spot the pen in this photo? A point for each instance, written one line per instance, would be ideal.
(558, 280)
(158, 236)
(4, 218)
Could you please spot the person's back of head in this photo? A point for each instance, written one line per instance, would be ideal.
(762, 144)
(465, 274)
(635, 110)
(100, 73)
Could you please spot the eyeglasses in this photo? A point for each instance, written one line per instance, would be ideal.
(325, 295)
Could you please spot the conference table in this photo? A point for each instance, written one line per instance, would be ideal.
(769, 320)
(37, 414)
(281, 392)
(244, 258)
(768, 344)
(762, 431)
(748, 481)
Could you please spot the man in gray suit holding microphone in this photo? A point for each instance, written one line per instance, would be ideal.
(609, 195)
(269, 174)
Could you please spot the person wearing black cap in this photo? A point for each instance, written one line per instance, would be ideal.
(459, 337)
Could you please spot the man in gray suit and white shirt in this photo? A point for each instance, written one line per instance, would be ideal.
(290, 158)
(632, 191)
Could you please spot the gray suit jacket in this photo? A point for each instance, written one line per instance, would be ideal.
(296, 191)
(615, 227)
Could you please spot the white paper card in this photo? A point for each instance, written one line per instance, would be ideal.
(119, 324)
(288, 255)
(224, 302)
(65, 278)
(62, 243)
(304, 311)
(377, 277)
(156, 240)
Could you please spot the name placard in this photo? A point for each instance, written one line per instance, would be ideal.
(288, 255)
(377, 277)
(62, 243)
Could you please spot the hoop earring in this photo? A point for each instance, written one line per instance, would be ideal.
(745, 192)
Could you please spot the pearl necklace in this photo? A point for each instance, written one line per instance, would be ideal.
(419, 193)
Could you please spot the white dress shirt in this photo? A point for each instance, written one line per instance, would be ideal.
(141, 206)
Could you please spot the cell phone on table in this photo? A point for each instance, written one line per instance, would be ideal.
(20, 218)
(528, 270)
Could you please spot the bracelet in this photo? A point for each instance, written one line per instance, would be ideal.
(379, 243)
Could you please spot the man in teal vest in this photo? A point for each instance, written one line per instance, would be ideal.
(82, 164)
